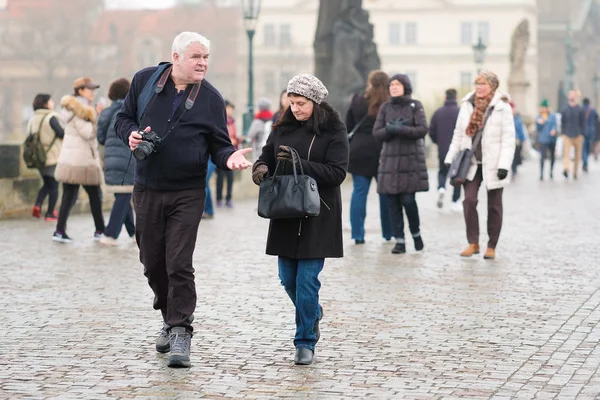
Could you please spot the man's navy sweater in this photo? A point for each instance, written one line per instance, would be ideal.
(201, 132)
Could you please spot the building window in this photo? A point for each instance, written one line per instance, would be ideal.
(269, 39)
(269, 82)
(466, 80)
(395, 33)
(411, 33)
(285, 35)
(484, 32)
(466, 33)
(412, 76)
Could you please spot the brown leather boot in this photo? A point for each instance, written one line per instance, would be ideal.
(469, 251)
(490, 254)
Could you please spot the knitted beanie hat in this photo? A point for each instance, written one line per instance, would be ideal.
(308, 86)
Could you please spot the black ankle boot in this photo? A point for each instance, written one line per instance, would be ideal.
(303, 356)
(419, 245)
(399, 248)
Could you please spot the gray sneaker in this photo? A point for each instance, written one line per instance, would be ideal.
(181, 341)
(162, 341)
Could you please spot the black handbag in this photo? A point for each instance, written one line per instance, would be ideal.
(289, 196)
(462, 161)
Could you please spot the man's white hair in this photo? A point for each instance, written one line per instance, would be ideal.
(184, 39)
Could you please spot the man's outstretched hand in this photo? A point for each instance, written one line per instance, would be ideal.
(237, 161)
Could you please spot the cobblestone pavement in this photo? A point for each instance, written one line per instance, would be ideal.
(78, 322)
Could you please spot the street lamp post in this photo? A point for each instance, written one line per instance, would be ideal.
(251, 9)
(479, 52)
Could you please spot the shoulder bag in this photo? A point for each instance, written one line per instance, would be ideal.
(289, 196)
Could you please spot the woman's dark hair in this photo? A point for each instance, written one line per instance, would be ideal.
(41, 101)
(118, 89)
(229, 104)
(377, 91)
(284, 91)
(315, 119)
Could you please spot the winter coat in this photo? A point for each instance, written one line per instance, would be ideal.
(497, 142)
(256, 132)
(321, 236)
(544, 131)
(364, 149)
(79, 160)
(442, 126)
(47, 134)
(572, 121)
(591, 118)
(119, 164)
(402, 167)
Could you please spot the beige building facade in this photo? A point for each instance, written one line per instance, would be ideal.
(430, 40)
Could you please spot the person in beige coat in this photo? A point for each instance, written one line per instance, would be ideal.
(484, 110)
(79, 164)
(47, 124)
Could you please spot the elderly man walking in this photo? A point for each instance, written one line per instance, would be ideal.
(173, 120)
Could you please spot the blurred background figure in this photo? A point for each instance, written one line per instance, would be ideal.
(520, 139)
(284, 103)
(441, 131)
(47, 124)
(364, 154)
(119, 166)
(573, 128)
(401, 125)
(261, 127)
(546, 129)
(227, 175)
(591, 121)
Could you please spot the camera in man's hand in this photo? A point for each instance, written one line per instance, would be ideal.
(150, 144)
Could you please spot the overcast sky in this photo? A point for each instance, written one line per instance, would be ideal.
(138, 3)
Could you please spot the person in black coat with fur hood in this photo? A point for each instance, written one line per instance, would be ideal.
(401, 126)
(315, 130)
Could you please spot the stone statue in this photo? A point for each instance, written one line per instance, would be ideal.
(517, 80)
(345, 52)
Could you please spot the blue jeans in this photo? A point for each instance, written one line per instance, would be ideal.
(300, 278)
(358, 209)
(208, 203)
(588, 147)
(120, 214)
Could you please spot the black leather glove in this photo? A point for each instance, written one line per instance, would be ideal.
(259, 173)
(502, 174)
(393, 127)
(285, 154)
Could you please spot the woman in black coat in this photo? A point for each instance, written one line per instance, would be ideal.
(401, 126)
(119, 166)
(314, 129)
(364, 154)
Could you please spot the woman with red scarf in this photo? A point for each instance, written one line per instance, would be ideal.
(483, 112)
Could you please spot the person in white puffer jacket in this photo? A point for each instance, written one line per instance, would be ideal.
(483, 109)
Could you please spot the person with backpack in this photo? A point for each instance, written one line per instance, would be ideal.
(261, 127)
(46, 131)
(401, 126)
(173, 120)
(79, 160)
(119, 166)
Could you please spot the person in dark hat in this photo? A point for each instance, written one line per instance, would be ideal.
(401, 125)
(315, 130)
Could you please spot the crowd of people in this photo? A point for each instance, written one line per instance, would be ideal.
(382, 139)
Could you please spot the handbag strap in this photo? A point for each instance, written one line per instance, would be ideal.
(479, 134)
(360, 122)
